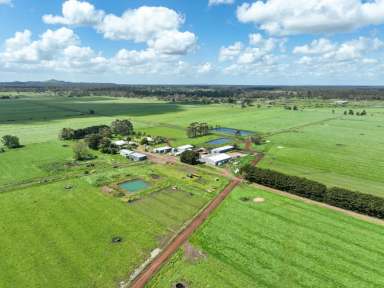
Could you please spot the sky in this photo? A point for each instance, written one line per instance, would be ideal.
(236, 42)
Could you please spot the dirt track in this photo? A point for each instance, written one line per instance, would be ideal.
(143, 278)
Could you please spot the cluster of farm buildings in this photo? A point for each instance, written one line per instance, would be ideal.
(216, 157)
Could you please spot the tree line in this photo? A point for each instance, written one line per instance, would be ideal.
(338, 197)
(197, 129)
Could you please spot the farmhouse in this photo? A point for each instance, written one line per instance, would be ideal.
(135, 156)
(162, 150)
(223, 149)
(216, 159)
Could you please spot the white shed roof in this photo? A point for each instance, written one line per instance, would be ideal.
(184, 147)
(224, 148)
(218, 157)
(120, 142)
(126, 152)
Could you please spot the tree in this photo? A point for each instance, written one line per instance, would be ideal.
(106, 146)
(351, 112)
(190, 157)
(10, 141)
(67, 134)
(257, 140)
(81, 151)
(122, 127)
(363, 113)
(93, 141)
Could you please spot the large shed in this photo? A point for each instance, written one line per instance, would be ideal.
(216, 159)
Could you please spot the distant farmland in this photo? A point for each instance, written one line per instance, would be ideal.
(278, 243)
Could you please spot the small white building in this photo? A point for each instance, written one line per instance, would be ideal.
(216, 159)
(120, 143)
(184, 148)
(135, 156)
(223, 149)
(125, 152)
(162, 150)
(179, 150)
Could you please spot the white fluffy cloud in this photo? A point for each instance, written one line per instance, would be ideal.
(76, 13)
(220, 2)
(230, 52)
(158, 27)
(204, 68)
(5, 2)
(287, 17)
(349, 50)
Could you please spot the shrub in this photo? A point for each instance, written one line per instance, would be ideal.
(11, 142)
(81, 151)
(190, 157)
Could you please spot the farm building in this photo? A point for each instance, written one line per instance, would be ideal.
(135, 156)
(216, 159)
(223, 149)
(162, 150)
(177, 151)
(120, 143)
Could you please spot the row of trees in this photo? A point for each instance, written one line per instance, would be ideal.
(342, 198)
(120, 127)
(351, 112)
(197, 129)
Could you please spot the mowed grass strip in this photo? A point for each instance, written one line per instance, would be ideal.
(54, 237)
(279, 243)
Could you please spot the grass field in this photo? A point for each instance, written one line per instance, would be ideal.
(278, 243)
(54, 237)
(315, 143)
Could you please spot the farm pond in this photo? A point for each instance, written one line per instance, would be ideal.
(219, 141)
(134, 185)
(232, 131)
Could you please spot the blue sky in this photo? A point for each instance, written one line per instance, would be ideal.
(193, 42)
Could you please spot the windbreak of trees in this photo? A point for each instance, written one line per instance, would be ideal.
(76, 134)
(197, 129)
(338, 197)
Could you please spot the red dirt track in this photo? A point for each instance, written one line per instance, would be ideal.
(143, 278)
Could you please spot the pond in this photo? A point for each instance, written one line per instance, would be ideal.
(219, 141)
(232, 131)
(134, 185)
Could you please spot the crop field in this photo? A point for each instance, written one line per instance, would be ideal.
(280, 242)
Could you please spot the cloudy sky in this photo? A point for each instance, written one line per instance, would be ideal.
(338, 42)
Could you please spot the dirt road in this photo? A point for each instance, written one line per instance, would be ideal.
(143, 278)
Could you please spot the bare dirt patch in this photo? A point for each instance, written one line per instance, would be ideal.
(258, 200)
(191, 253)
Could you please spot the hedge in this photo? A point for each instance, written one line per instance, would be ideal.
(338, 197)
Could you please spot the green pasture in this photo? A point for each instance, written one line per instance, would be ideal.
(346, 152)
(278, 243)
(57, 237)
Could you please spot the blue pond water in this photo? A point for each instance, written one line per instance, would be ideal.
(134, 185)
(219, 141)
(231, 131)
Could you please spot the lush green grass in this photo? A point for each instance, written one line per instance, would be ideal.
(53, 237)
(347, 152)
(279, 243)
